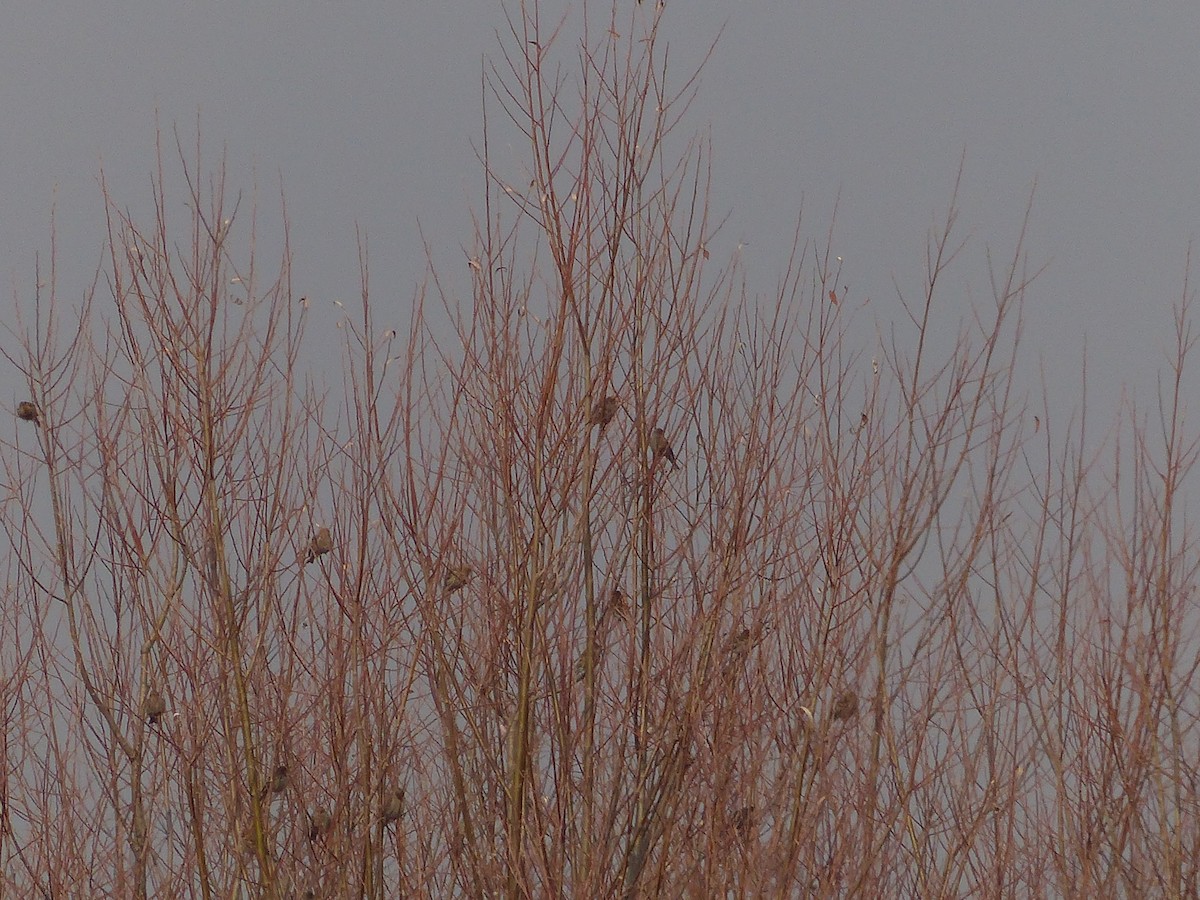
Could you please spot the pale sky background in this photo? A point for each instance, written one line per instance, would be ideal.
(366, 112)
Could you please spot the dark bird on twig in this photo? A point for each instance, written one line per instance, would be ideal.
(661, 446)
(604, 410)
(28, 412)
(738, 647)
(319, 824)
(393, 807)
(280, 779)
(736, 650)
(616, 605)
(154, 706)
(321, 543)
(742, 820)
(845, 707)
(739, 644)
(457, 577)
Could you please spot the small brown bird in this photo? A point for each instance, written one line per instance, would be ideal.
(735, 652)
(604, 410)
(319, 823)
(616, 605)
(154, 706)
(739, 644)
(661, 446)
(280, 779)
(246, 844)
(846, 706)
(321, 543)
(456, 578)
(742, 820)
(28, 412)
(393, 807)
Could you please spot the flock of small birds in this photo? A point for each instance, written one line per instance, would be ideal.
(605, 409)
(455, 578)
(154, 705)
(320, 820)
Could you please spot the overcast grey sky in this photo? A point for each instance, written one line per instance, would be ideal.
(366, 111)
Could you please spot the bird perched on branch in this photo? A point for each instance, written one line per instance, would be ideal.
(321, 543)
(742, 821)
(393, 807)
(457, 577)
(154, 706)
(280, 779)
(604, 410)
(845, 707)
(27, 411)
(319, 823)
(660, 446)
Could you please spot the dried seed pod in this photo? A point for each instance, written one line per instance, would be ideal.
(660, 446)
(846, 706)
(321, 543)
(393, 807)
(154, 706)
(27, 411)
(604, 410)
